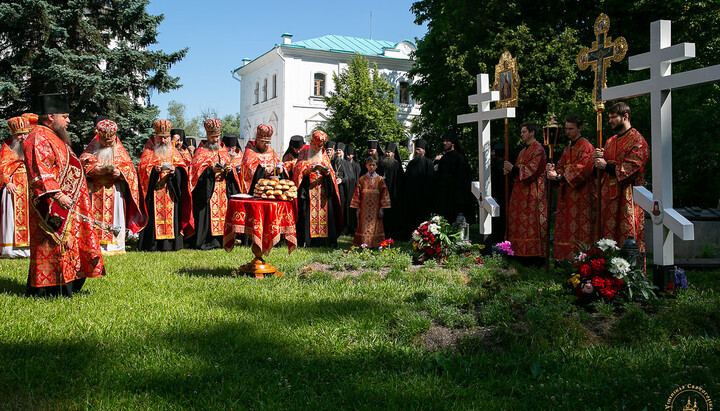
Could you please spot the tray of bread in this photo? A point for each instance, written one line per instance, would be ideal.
(275, 189)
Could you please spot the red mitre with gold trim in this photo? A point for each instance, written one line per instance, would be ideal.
(19, 125)
(264, 133)
(213, 127)
(162, 128)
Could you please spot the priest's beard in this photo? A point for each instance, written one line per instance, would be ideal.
(106, 155)
(213, 146)
(387, 162)
(60, 131)
(315, 156)
(163, 151)
(417, 156)
(17, 146)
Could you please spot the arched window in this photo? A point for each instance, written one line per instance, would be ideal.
(257, 92)
(404, 93)
(319, 84)
(265, 90)
(274, 86)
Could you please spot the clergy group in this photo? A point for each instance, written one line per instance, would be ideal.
(65, 212)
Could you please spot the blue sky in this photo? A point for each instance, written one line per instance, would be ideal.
(220, 33)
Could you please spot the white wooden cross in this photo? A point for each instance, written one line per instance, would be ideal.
(481, 189)
(659, 60)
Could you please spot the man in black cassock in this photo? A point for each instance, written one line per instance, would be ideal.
(417, 190)
(453, 179)
(374, 151)
(394, 175)
(344, 176)
(352, 179)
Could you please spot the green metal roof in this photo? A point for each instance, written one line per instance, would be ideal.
(345, 44)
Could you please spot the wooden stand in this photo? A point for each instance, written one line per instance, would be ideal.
(258, 267)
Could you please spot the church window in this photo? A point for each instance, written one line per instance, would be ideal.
(257, 92)
(274, 86)
(319, 84)
(404, 93)
(265, 90)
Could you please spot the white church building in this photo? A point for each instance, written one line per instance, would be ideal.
(285, 87)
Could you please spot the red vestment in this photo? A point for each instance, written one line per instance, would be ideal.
(203, 159)
(185, 153)
(318, 200)
(164, 204)
(250, 162)
(371, 194)
(574, 222)
(527, 215)
(63, 248)
(102, 192)
(619, 215)
(12, 170)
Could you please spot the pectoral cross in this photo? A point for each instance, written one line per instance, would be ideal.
(659, 60)
(604, 50)
(481, 189)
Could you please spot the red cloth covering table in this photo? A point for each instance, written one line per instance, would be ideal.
(263, 221)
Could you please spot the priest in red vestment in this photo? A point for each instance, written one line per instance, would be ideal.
(574, 218)
(259, 160)
(213, 179)
(320, 219)
(164, 185)
(113, 184)
(64, 249)
(370, 198)
(14, 211)
(622, 162)
(527, 214)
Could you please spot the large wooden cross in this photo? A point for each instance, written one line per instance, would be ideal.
(481, 189)
(660, 202)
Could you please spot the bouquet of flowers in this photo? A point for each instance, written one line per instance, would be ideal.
(387, 243)
(434, 239)
(504, 248)
(601, 271)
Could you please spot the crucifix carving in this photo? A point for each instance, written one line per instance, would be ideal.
(659, 203)
(481, 189)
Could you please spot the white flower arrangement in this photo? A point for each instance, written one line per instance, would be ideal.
(619, 267)
(434, 229)
(607, 244)
(436, 219)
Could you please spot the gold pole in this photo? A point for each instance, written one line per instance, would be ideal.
(507, 176)
(599, 108)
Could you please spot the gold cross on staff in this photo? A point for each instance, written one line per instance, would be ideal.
(604, 50)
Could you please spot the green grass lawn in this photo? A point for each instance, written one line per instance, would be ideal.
(179, 330)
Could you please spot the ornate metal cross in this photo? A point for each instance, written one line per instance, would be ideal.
(604, 50)
(481, 189)
(659, 60)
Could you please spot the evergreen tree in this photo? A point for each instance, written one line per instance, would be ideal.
(96, 51)
(361, 106)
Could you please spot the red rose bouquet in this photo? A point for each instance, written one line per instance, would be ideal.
(434, 239)
(602, 272)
